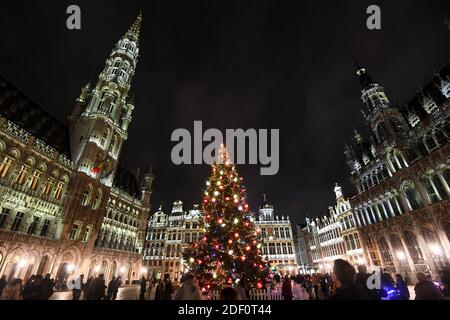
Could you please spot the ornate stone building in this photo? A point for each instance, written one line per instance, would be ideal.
(277, 240)
(402, 175)
(303, 249)
(333, 236)
(168, 235)
(67, 205)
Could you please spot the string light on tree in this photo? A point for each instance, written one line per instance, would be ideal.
(228, 249)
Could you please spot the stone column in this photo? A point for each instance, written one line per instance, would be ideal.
(367, 215)
(393, 255)
(355, 214)
(444, 183)
(408, 255)
(377, 209)
(373, 214)
(445, 244)
(435, 189)
(405, 203)
(391, 210)
(384, 209)
(425, 250)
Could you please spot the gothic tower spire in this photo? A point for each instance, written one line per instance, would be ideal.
(99, 123)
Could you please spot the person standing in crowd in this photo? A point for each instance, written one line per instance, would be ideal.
(315, 285)
(116, 287)
(402, 287)
(38, 291)
(167, 288)
(346, 275)
(143, 288)
(111, 288)
(13, 291)
(96, 291)
(158, 290)
(3, 284)
(87, 289)
(229, 293)
(28, 288)
(48, 285)
(445, 278)
(77, 287)
(286, 288)
(243, 290)
(426, 289)
(188, 290)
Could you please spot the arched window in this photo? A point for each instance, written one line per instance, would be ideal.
(381, 132)
(413, 247)
(412, 196)
(97, 201)
(6, 165)
(396, 124)
(384, 250)
(113, 146)
(434, 197)
(85, 197)
(446, 175)
(104, 137)
(430, 106)
(23, 172)
(431, 144)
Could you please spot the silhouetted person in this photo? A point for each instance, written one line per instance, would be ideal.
(426, 289)
(228, 293)
(167, 288)
(143, 288)
(286, 288)
(402, 287)
(346, 275)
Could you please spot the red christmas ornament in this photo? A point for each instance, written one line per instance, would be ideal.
(259, 285)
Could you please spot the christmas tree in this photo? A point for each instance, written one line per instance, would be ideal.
(228, 250)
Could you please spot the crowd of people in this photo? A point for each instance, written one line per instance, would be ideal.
(36, 287)
(345, 283)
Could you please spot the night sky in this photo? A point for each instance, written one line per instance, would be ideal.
(232, 64)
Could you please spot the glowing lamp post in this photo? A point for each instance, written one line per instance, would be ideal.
(437, 252)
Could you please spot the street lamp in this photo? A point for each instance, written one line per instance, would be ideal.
(123, 269)
(70, 267)
(22, 263)
(401, 255)
(144, 270)
(96, 269)
(437, 251)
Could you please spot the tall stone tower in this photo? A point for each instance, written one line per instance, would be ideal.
(99, 123)
(98, 128)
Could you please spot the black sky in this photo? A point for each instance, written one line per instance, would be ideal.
(232, 64)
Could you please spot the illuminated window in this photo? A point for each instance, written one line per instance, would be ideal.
(3, 216)
(74, 232)
(17, 221)
(33, 225)
(87, 233)
(59, 190)
(5, 166)
(45, 228)
(22, 174)
(48, 186)
(104, 137)
(35, 179)
(85, 198)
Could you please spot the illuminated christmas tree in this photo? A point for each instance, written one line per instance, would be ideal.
(228, 249)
